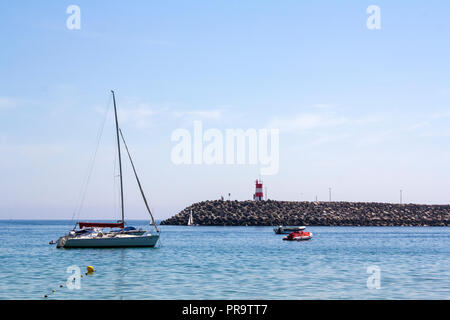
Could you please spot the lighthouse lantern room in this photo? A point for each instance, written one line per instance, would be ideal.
(258, 191)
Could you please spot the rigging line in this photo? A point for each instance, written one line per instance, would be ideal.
(91, 165)
(139, 183)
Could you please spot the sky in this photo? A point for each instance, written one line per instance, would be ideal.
(362, 111)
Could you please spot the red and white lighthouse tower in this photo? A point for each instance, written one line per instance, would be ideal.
(258, 191)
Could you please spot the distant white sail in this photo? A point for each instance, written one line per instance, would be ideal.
(190, 220)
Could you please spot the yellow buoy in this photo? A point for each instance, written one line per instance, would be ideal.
(90, 269)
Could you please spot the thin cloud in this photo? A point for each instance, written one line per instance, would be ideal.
(440, 115)
(324, 106)
(375, 138)
(7, 102)
(136, 113)
(418, 125)
(141, 116)
(325, 127)
(204, 114)
(312, 121)
(327, 139)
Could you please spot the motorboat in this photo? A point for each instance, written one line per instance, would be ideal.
(298, 236)
(287, 229)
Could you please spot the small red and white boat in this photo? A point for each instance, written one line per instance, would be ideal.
(299, 235)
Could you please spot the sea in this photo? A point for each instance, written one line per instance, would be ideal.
(215, 262)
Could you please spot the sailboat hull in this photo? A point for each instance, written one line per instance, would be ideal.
(119, 242)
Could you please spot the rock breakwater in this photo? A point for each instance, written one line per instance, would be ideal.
(271, 213)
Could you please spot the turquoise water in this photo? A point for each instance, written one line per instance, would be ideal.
(230, 263)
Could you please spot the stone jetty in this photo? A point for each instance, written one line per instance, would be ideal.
(273, 213)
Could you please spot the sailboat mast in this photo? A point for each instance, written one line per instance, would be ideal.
(120, 159)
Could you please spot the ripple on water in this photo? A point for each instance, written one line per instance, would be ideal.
(231, 263)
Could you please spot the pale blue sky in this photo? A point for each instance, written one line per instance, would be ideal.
(365, 112)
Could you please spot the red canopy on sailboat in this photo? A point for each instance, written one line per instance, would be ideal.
(101, 225)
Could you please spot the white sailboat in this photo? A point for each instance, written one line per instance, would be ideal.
(190, 219)
(92, 234)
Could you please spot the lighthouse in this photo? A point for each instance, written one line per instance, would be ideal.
(258, 191)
